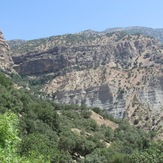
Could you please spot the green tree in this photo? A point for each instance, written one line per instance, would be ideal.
(8, 138)
(4, 81)
(9, 142)
(154, 154)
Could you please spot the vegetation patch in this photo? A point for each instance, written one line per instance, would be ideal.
(31, 130)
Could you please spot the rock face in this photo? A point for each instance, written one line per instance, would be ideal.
(5, 60)
(90, 53)
(117, 72)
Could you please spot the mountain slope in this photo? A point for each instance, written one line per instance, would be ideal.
(38, 130)
(114, 71)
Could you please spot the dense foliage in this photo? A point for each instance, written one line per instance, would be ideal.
(33, 129)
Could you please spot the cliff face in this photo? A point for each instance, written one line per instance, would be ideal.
(113, 49)
(5, 60)
(137, 98)
(117, 72)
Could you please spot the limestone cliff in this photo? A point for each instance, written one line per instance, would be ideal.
(5, 60)
(115, 49)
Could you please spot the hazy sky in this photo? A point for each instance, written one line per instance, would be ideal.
(30, 19)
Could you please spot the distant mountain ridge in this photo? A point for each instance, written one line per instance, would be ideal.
(16, 42)
(156, 33)
(152, 32)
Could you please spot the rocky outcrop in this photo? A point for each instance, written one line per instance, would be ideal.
(136, 98)
(108, 49)
(5, 60)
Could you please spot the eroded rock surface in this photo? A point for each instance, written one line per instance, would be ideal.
(5, 60)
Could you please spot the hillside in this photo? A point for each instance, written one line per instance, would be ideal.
(118, 72)
(38, 130)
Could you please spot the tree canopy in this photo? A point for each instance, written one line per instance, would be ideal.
(38, 130)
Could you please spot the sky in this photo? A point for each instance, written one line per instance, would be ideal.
(32, 19)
